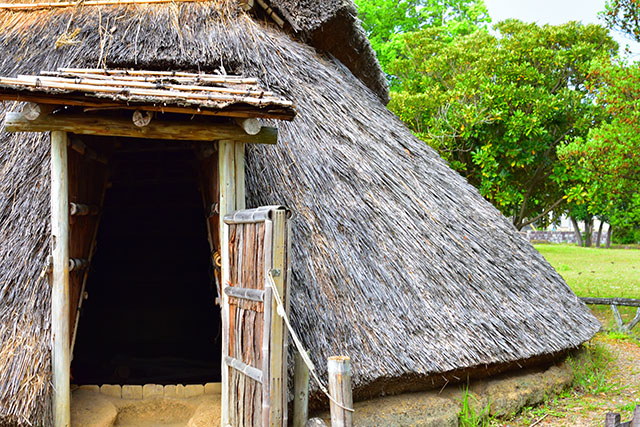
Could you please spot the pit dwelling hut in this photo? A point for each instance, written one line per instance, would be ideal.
(393, 259)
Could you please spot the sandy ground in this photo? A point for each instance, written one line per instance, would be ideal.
(94, 409)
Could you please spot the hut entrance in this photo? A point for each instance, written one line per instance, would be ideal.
(150, 316)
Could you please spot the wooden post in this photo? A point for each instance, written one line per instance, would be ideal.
(300, 392)
(635, 420)
(240, 185)
(612, 420)
(278, 336)
(340, 390)
(60, 280)
(226, 171)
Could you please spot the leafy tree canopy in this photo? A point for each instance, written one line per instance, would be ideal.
(385, 20)
(624, 16)
(606, 162)
(498, 106)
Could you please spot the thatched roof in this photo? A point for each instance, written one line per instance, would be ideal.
(333, 26)
(397, 260)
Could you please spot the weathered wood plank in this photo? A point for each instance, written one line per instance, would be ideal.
(60, 310)
(245, 369)
(197, 129)
(245, 293)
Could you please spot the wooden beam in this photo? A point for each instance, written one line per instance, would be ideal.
(100, 104)
(251, 126)
(32, 111)
(60, 353)
(187, 130)
(627, 302)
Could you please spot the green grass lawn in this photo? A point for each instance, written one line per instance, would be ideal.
(592, 272)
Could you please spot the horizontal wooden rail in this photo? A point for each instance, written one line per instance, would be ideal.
(243, 368)
(244, 293)
(627, 302)
(184, 130)
(79, 209)
(75, 264)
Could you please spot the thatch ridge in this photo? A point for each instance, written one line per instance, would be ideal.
(333, 26)
(397, 261)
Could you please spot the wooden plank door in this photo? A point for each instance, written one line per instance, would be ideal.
(255, 254)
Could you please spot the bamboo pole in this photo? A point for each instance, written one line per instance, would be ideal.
(143, 82)
(107, 72)
(340, 390)
(43, 83)
(55, 5)
(60, 280)
(300, 392)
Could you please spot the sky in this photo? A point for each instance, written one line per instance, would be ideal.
(555, 12)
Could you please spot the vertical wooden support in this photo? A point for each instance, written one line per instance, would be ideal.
(227, 175)
(612, 420)
(340, 390)
(300, 392)
(268, 317)
(60, 280)
(232, 198)
(635, 421)
(278, 335)
(239, 165)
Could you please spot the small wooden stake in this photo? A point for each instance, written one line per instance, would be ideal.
(60, 353)
(635, 421)
(340, 390)
(612, 420)
(300, 392)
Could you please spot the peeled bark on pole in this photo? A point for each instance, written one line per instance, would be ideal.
(576, 230)
(340, 390)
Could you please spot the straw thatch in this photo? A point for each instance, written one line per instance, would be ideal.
(397, 261)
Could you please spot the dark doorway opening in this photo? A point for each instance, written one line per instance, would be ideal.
(150, 316)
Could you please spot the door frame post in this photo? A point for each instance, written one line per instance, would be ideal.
(232, 198)
(60, 348)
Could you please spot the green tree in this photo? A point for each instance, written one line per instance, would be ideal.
(498, 106)
(624, 16)
(385, 20)
(606, 162)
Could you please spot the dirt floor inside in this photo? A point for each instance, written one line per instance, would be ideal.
(93, 407)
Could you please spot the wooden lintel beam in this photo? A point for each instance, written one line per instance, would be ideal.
(185, 130)
(102, 104)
